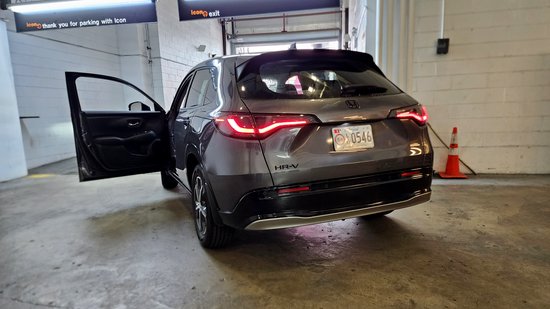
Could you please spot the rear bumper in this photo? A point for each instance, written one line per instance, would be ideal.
(293, 221)
(330, 200)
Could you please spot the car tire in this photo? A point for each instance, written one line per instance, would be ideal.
(168, 182)
(378, 215)
(210, 234)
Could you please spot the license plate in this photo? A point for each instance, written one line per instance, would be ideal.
(352, 138)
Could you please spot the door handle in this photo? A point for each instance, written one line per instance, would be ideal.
(134, 123)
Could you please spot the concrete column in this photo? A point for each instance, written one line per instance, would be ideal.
(410, 45)
(370, 28)
(393, 40)
(12, 154)
(387, 49)
(134, 63)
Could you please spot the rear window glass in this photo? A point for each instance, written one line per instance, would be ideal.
(314, 80)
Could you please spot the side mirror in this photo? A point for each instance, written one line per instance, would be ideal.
(138, 106)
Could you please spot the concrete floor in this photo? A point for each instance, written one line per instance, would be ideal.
(127, 243)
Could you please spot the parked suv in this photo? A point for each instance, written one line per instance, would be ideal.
(263, 142)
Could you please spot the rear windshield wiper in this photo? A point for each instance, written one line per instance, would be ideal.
(361, 89)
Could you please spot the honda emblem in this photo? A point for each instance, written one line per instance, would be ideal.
(352, 104)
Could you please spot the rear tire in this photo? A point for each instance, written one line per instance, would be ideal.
(168, 182)
(210, 234)
(378, 215)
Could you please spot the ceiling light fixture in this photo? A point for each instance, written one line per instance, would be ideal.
(56, 6)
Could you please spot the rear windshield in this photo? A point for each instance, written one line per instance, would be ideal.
(299, 79)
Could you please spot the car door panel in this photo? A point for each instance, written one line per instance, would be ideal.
(119, 144)
(116, 143)
(182, 128)
(183, 125)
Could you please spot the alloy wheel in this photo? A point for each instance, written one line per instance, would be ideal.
(199, 194)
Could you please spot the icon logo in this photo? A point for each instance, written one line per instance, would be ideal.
(205, 13)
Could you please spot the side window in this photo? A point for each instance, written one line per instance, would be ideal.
(184, 89)
(106, 95)
(199, 88)
(211, 96)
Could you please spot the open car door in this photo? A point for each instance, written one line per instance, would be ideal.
(118, 129)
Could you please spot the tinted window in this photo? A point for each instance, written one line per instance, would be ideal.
(211, 94)
(198, 92)
(300, 79)
(184, 88)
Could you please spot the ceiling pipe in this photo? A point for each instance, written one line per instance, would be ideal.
(442, 35)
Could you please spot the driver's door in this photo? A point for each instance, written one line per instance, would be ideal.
(119, 130)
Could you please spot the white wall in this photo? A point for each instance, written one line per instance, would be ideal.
(133, 56)
(494, 84)
(39, 63)
(178, 42)
(12, 163)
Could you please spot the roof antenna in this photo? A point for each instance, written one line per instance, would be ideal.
(292, 46)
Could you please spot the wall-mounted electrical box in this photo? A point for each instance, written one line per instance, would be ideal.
(443, 46)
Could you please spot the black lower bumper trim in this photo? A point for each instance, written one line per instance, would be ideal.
(338, 199)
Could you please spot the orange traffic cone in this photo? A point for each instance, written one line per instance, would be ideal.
(453, 169)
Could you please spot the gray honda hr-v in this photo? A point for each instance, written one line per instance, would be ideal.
(263, 142)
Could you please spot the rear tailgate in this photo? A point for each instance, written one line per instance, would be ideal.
(345, 91)
(307, 154)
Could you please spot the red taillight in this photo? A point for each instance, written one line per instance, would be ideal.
(293, 190)
(241, 127)
(418, 114)
(258, 126)
(411, 174)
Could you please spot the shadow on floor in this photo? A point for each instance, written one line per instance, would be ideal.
(64, 167)
(120, 225)
(296, 247)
